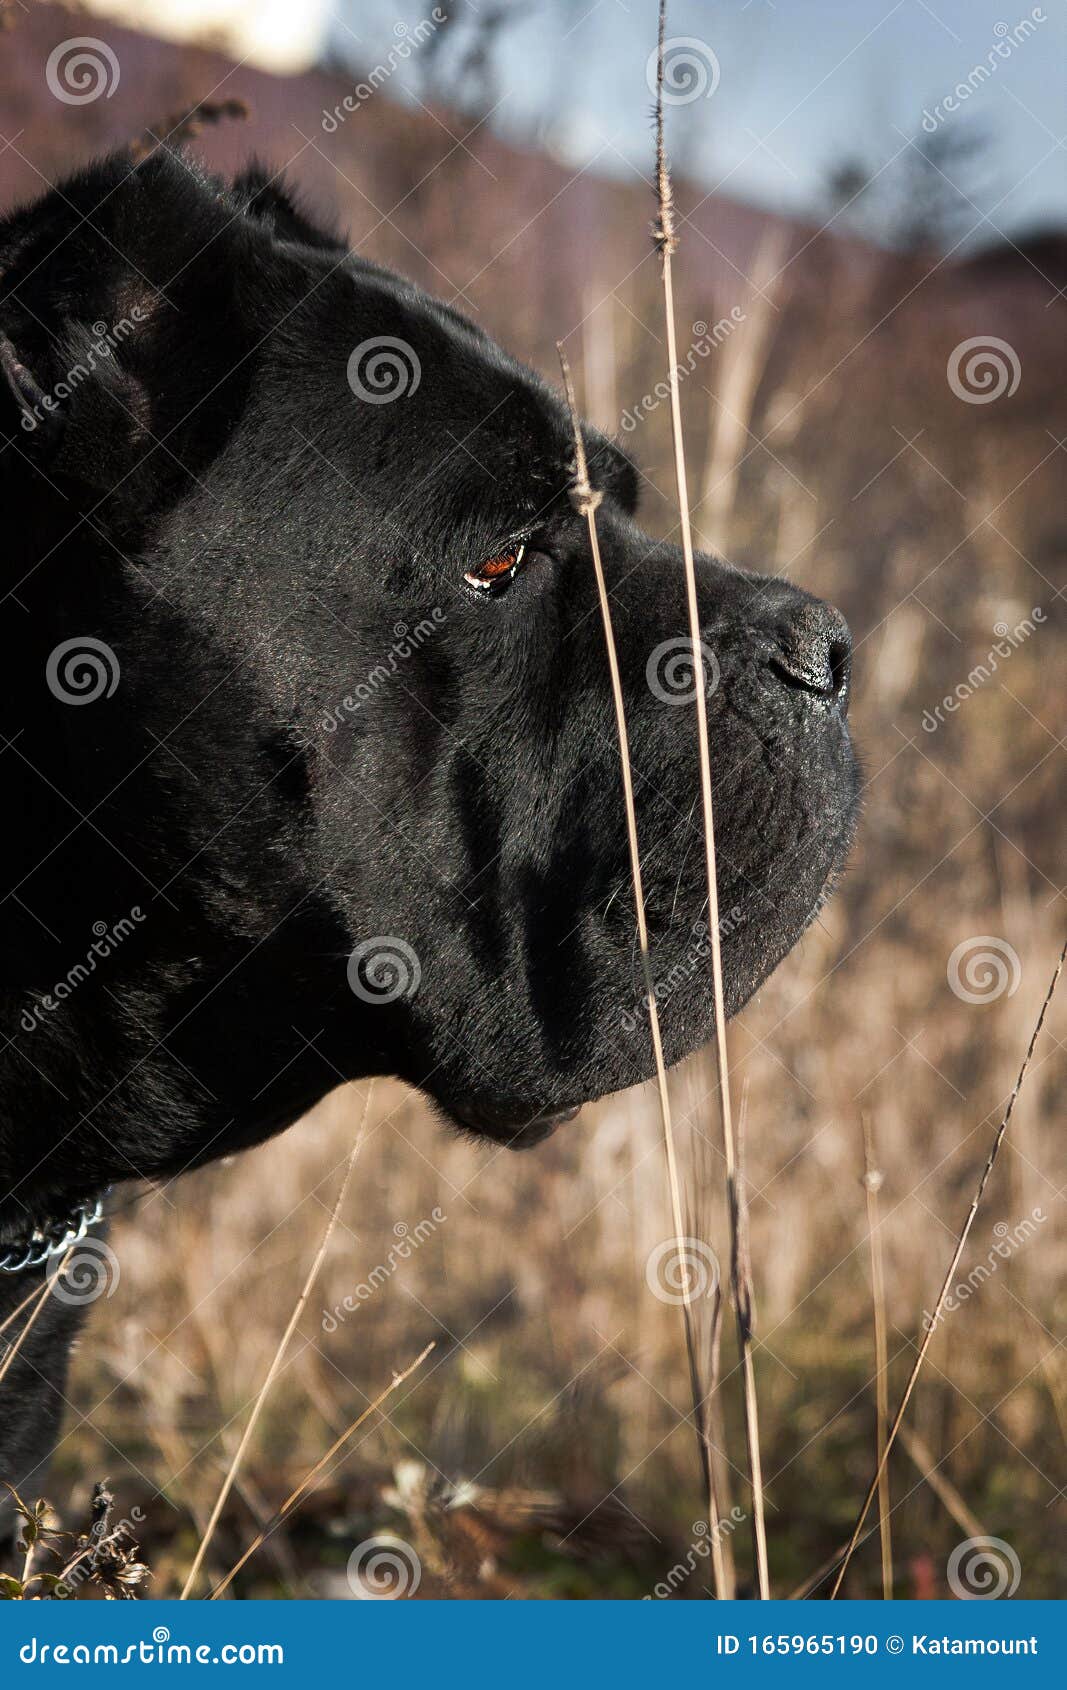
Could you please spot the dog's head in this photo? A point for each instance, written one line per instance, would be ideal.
(341, 508)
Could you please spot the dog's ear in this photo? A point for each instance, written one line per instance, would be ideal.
(73, 406)
(24, 402)
(132, 301)
(120, 331)
(263, 196)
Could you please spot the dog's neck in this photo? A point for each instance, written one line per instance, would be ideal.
(141, 924)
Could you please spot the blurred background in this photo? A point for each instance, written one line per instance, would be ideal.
(871, 298)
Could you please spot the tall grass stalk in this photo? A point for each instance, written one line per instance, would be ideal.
(872, 1185)
(42, 1294)
(279, 1354)
(585, 500)
(742, 1291)
(961, 1243)
(941, 1485)
(308, 1480)
(666, 242)
(38, 1291)
(722, 1554)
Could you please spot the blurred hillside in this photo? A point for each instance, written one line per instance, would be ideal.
(841, 431)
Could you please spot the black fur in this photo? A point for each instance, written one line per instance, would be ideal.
(212, 500)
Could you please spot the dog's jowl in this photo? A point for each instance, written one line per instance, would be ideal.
(308, 752)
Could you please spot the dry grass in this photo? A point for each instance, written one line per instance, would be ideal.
(567, 1372)
(586, 501)
(280, 1353)
(872, 1183)
(931, 1324)
(666, 242)
(309, 1479)
(34, 1301)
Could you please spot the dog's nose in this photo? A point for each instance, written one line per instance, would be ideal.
(810, 650)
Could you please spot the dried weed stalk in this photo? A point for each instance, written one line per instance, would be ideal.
(961, 1243)
(741, 1277)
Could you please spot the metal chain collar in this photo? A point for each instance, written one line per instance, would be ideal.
(52, 1237)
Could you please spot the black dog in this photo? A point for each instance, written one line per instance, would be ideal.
(308, 749)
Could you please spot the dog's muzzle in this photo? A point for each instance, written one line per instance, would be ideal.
(514, 1130)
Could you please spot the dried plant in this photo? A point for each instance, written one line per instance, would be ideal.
(309, 1479)
(585, 500)
(872, 1185)
(185, 125)
(941, 1485)
(932, 1322)
(666, 242)
(280, 1353)
(38, 1297)
(104, 1558)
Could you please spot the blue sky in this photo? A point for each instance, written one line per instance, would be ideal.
(801, 84)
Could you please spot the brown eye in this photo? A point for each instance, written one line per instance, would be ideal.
(495, 572)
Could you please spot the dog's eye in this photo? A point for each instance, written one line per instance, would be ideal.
(494, 574)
